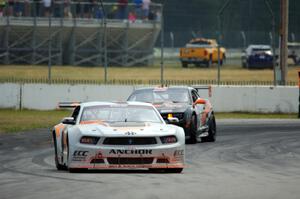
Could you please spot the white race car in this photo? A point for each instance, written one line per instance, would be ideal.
(105, 135)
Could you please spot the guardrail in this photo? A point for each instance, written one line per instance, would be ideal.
(141, 82)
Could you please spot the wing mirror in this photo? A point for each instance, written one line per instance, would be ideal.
(200, 101)
(68, 120)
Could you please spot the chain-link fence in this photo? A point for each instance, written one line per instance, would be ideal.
(244, 22)
(75, 34)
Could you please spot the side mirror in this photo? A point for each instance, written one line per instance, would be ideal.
(173, 120)
(200, 101)
(68, 120)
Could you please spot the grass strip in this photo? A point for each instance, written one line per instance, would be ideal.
(22, 120)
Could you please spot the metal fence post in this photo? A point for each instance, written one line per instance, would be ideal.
(299, 93)
(6, 39)
(220, 22)
(162, 48)
(272, 37)
(49, 50)
(104, 25)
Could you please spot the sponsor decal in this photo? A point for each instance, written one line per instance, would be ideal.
(131, 151)
(178, 156)
(178, 153)
(130, 133)
(79, 155)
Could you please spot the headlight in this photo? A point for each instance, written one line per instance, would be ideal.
(168, 139)
(89, 140)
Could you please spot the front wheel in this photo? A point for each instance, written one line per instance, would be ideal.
(193, 131)
(57, 164)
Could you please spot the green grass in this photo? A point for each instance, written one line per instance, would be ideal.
(141, 74)
(242, 115)
(16, 121)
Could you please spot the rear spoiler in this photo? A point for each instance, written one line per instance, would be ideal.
(68, 104)
(209, 88)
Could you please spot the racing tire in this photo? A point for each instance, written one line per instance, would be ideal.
(173, 170)
(212, 131)
(193, 131)
(59, 167)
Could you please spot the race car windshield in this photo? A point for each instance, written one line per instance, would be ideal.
(111, 114)
(261, 49)
(160, 96)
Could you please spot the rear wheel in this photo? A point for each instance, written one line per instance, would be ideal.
(212, 131)
(184, 64)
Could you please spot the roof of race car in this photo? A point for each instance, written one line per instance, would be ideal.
(164, 88)
(97, 103)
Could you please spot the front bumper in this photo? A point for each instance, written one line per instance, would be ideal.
(194, 60)
(255, 62)
(109, 157)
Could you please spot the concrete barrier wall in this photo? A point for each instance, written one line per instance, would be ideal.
(44, 96)
(10, 95)
(224, 98)
(255, 99)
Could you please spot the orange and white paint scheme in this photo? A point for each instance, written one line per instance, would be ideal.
(106, 135)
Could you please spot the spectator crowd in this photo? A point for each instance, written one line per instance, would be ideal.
(136, 10)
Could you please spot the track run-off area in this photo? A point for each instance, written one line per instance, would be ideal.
(250, 159)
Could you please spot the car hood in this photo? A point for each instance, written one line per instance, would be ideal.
(170, 107)
(127, 129)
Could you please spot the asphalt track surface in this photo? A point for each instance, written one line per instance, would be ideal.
(251, 159)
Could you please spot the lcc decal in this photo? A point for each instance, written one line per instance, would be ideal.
(80, 153)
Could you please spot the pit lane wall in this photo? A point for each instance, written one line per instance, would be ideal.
(224, 98)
